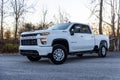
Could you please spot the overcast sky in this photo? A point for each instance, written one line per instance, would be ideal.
(77, 10)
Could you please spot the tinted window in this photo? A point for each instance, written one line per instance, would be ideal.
(76, 28)
(85, 29)
(62, 26)
(79, 28)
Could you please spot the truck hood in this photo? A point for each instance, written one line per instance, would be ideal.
(36, 32)
(41, 31)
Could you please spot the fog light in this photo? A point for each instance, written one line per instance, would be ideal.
(43, 40)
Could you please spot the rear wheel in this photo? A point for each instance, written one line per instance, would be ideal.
(59, 54)
(102, 51)
(34, 58)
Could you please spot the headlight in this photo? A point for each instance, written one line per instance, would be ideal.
(44, 33)
(43, 40)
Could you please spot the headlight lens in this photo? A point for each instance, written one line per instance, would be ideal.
(43, 40)
(44, 33)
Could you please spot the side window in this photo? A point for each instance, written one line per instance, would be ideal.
(75, 28)
(85, 29)
(80, 28)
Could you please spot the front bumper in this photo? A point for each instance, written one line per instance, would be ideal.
(35, 50)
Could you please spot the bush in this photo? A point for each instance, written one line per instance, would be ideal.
(111, 48)
(10, 48)
(2, 42)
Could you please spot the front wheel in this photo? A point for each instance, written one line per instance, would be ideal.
(102, 51)
(59, 54)
(34, 58)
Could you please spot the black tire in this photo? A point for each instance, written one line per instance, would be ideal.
(34, 58)
(79, 55)
(58, 55)
(102, 51)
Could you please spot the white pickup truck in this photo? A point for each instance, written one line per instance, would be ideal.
(60, 40)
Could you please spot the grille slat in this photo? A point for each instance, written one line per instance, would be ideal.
(29, 42)
(27, 35)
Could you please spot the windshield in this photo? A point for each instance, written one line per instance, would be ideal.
(62, 26)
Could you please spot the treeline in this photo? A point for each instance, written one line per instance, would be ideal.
(10, 45)
(17, 9)
(104, 17)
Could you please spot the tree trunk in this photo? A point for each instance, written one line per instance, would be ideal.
(113, 17)
(16, 20)
(118, 27)
(100, 19)
(118, 39)
(2, 20)
(113, 24)
(16, 27)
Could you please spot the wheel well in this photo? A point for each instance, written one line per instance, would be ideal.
(63, 42)
(104, 43)
(96, 49)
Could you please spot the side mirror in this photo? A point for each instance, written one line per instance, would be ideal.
(72, 32)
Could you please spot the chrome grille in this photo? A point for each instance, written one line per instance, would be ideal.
(29, 42)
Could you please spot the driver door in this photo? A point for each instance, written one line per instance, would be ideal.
(82, 39)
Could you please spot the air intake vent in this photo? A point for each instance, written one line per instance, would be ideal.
(29, 42)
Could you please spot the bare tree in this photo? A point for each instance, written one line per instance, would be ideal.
(113, 5)
(2, 13)
(61, 17)
(2, 4)
(44, 14)
(100, 14)
(113, 17)
(18, 10)
(118, 28)
(110, 18)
